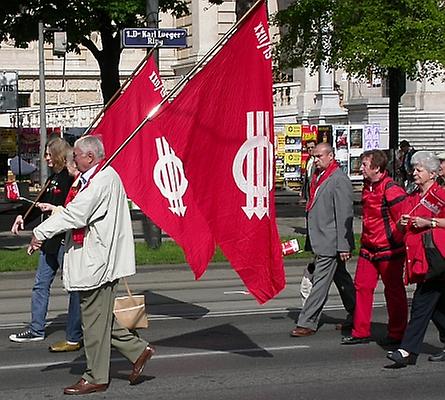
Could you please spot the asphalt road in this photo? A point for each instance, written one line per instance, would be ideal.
(214, 341)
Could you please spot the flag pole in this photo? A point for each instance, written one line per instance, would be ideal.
(120, 89)
(185, 79)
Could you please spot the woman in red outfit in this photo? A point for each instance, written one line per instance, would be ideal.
(425, 212)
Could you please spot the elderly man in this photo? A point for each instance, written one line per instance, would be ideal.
(329, 219)
(99, 249)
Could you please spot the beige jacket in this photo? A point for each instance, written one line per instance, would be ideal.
(107, 252)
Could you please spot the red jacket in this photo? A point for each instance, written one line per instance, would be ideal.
(383, 204)
(416, 262)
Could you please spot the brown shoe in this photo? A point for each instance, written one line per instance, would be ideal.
(84, 387)
(139, 365)
(64, 346)
(301, 332)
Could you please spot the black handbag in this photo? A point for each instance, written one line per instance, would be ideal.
(436, 262)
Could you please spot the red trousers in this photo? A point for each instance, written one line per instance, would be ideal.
(366, 277)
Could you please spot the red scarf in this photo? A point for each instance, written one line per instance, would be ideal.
(318, 178)
(79, 234)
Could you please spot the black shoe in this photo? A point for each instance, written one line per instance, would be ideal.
(397, 357)
(437, 357)
(355, 340)
(388, 341)
(346, 325)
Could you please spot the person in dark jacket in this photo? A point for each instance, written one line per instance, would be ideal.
(382, 252)
(51, 254)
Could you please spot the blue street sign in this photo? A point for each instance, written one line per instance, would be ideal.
(149, 37)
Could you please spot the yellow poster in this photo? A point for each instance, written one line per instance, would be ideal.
(292, 158)
(293, 130)
(8, 141)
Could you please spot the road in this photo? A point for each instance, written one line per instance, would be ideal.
(214, 341)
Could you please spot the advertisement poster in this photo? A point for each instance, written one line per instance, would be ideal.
(279, 157)
(356, 137)
(356, 140)
(354, 167)
(8, 141)
(324, 134)
(292, 138)
(372, 137)
(292, 158)
(341, 146)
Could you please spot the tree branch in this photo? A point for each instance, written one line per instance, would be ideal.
(88, 43)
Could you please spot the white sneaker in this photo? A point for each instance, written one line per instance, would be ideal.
(26, 336)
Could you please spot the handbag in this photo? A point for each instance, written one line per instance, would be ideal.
(436, 262)
(130, 310)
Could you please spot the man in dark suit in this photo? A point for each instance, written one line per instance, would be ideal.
(329, 219)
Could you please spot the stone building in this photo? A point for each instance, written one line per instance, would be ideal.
(73, 95)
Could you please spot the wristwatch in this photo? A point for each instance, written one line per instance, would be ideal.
(433, 222)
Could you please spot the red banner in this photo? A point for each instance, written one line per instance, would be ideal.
(12, 191)
(152, 175)
(221, 128)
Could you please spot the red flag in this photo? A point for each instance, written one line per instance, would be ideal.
(433, 201)
(143, 93)
(151, 173)
(221, 127)
(12, 191)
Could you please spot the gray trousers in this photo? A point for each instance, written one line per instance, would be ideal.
(326, 268)
(101, 331)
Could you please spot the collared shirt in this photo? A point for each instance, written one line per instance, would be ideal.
(85, 177)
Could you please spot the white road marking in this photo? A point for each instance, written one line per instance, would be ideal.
(68, 363)
(210, 314)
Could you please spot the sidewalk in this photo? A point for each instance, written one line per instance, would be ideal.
(290, 211)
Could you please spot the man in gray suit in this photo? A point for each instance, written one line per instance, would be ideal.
(329, 220)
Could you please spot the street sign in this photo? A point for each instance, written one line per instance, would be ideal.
(149, 37)
(8, 91)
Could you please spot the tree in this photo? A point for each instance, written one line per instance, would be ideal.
(392, 38)
(80, 18)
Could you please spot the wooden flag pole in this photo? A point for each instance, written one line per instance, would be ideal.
(185, 79)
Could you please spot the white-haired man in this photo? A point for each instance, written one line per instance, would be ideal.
(99, 249)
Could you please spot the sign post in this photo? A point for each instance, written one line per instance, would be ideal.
(149, 37)
(8, 91)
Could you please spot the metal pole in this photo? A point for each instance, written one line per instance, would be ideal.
(152, 11)
(42, 101)
(152, 233)
(19, 131)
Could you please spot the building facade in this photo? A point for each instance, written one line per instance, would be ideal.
(73, 96)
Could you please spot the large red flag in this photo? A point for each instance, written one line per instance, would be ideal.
(151, 173)
(221, 127)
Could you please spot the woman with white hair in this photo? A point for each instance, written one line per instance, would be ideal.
(425, 215)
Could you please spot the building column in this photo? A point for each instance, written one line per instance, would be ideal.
(327, 100)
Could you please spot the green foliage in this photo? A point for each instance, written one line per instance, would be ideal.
(80, 18)
(17, 260)
(364, 35)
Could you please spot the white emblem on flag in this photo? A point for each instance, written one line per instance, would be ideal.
(169, 177)
(253, 165)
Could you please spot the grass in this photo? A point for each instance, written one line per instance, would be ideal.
(168, 253)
